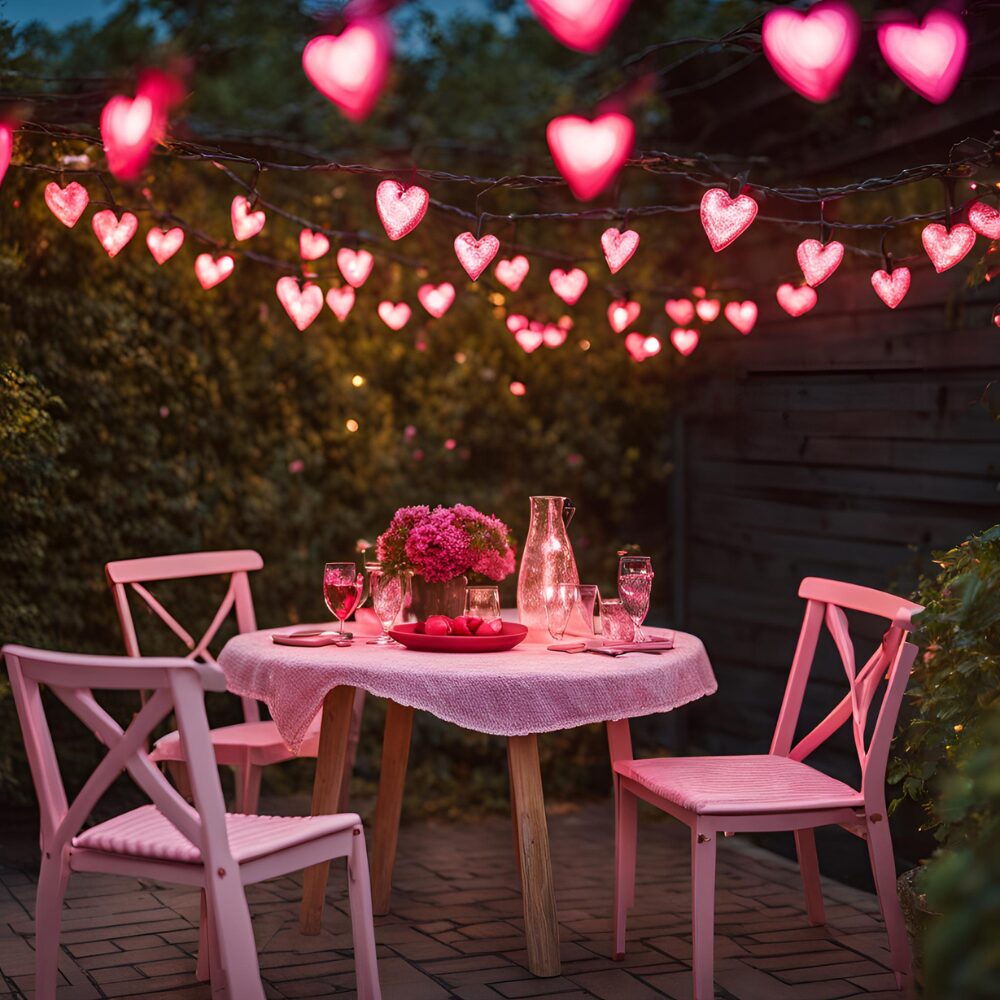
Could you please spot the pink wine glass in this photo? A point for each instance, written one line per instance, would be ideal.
(342, 587)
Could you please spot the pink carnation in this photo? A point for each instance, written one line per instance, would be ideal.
(438, 548)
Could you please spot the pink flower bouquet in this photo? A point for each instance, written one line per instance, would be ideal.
(446, 542)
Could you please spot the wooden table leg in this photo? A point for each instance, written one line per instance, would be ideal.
(331, 763)
(344, 798)
(513, 821)
(391, 779)
(620, 748)
(541, 926)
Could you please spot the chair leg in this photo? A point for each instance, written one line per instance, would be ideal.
(232, 949)
(805, 847)
(52, 879)
(625, 839)
(203, 966)
(703, 912)
(884, 871)
(362, 923)
(248, 789)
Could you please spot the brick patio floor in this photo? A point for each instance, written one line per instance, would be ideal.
(456, 930)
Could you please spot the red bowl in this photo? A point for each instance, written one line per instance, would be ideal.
(507, 638)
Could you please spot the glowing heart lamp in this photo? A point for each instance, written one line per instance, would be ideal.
(246, 224)
(312, 245)
(622, 314)
(685, 341)
(946, 247)
(164, 243)
(928, 57)
(568, 285)
(355, 265)
(395, 315)
(742, 315)
(553, 335)
(128, 130)
(515, 322)
(399, 208)
(437, 299)
(796, 301)
(341, 301)
(681, 311)
(819, 260)
(589, 154)
(511, 273)
(811, 52)
(67, 204)
(892, 287)
(985, 220)
(529, 340)
(724, 218)
(210, 271)
(707, 309)
(618, 247)
(6, 148)
(303, 304)
(112, 232)
(475, 255)
(584, 25)
(350, 68)
(640, 347)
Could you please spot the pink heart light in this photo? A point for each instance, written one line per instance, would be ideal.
(475, 255)
(681, 311)
(437, 299)
(725, 218)
(553, 335)
(985, 220)
(6, 148)
(515, 322)
(640, 347)
(312, 245)
(742, 315)
(818, 261)
(395, 315)
(511, 273)
(796, 301)
(928, 57)
(67, 204)
(589, 154)
(303, 304)
(211, 272)
(246, 224)
(164, 243)
(583, 25)
(355, 265)
(112, 232)
(947, 247)
(128, 130)
(351, 68)
(707, 309)
(811, 52)
(341, 301)
(683, 340)
(619, 247)
(568, 285)
(892, 288)
(529, 340)
(399, 208)
(622, 314)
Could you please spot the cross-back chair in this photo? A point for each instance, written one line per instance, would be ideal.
(247, 746)
(778, 790)
(169, 839)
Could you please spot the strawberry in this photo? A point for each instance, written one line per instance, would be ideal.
(438, 625)
(494, 627)
(460, 625)
(474, 622)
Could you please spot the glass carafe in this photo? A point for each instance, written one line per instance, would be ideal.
(547, 559)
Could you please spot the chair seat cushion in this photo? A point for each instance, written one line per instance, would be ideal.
(760, 783)
(146, 833)
(242, 743)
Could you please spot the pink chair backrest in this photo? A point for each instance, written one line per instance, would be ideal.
(892, 660)
(177, 685)
(134, 574)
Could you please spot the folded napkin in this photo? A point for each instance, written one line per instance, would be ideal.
(596, 645)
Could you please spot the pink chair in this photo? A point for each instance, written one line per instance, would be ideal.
(168, 840)
(247, 746)
(777, 791)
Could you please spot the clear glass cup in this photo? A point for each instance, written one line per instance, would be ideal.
(342, 589)
(587, 608)
(560, 600)
(483, 602)
(616, 622)
(387, 592)
(635, 581)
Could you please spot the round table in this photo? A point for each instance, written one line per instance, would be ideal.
(516, 694)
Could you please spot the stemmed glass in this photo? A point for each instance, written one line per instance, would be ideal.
(635, 581)
(387, 598)
(560, 601)
(342, 589)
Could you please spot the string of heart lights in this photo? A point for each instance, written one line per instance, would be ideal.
(810, 51)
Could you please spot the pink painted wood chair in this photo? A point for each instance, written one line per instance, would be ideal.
(247, 746)
(168, 840)
(778, 791)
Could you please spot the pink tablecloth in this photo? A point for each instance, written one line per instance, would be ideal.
(525, 690)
